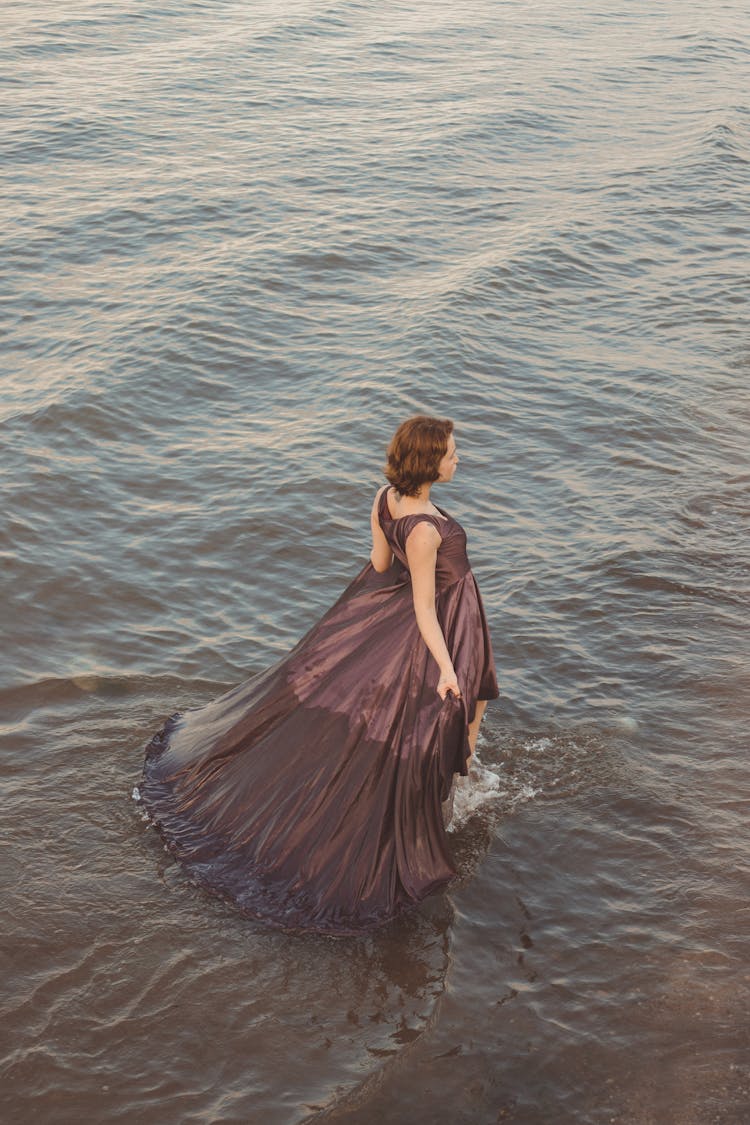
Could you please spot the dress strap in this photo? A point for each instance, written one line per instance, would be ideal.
(383, 510)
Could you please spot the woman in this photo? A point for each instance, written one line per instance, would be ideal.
(311, 795)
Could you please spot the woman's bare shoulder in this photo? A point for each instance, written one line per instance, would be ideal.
(378, 496)
(421, 533)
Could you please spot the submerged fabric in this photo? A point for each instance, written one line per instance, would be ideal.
(311, 794)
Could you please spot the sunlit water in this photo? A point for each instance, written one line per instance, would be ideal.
(239, 246)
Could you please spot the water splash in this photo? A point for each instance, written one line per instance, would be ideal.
(509, 770)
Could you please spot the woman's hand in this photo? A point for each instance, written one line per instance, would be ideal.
(448, 683)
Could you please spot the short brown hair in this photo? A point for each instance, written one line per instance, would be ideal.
(415, 452)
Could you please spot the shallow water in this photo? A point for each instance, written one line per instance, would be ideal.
(239, 247)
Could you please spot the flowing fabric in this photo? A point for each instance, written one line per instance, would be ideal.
(311, 795)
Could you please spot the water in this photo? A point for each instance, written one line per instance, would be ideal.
(239, 247)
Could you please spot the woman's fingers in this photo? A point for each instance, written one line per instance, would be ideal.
(451, 686)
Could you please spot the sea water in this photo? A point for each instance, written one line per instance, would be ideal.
(240, 243)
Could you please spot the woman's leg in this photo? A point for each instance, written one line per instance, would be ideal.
(464, 781)
(474, 726)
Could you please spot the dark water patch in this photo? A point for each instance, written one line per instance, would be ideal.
(46, 35)
(24, 700)
(76, 137)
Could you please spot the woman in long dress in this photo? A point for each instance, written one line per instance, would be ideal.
(312, 794)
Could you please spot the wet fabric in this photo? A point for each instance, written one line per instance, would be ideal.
(311, 795)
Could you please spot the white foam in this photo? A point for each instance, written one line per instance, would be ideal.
(538, 745)
(472, 793)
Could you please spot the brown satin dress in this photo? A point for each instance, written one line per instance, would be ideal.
(311, 795)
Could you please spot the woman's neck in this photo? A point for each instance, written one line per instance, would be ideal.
(420, 499)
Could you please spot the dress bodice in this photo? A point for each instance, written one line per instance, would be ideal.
(452, 561)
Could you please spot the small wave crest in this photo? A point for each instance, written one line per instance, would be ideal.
(510, 770)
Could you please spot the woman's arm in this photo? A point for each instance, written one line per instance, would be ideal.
(381, 555)
(421, 553)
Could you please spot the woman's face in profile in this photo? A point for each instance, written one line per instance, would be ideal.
(447, 466)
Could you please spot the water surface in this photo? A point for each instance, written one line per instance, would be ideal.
(240, 246)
